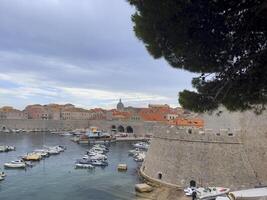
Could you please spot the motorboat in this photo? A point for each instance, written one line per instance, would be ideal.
(32, 157)
(99, 157)
(65, 134)
(10, 148)
(98, 149)
(42, 152)
(2, 149)
(141, 145)
(15, 164)
(84, 161)
(208, 193)
(101, 147)
(99, 163)
(54, 149)
(92, 151)
(134, 151)
(139, 157)
(95, 157)
(2, 174)
(6, 148)
(86, 166)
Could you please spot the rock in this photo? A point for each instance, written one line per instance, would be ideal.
(143, 187)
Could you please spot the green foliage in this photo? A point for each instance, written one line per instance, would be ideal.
(223, 40)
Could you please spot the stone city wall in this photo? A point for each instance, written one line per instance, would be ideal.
(139, 128)
(30, 124)
(213, 157)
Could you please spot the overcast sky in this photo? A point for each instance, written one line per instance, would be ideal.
(82, 52)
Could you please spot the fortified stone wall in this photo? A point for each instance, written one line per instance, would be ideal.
(213, 157)
(28, 124)
(139, 128)
(254, 135)
(253, 129)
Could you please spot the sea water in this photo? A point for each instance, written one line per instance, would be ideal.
(55, 177)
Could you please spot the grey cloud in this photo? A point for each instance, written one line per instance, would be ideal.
(81, 43)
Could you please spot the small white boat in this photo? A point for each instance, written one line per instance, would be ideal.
(92, 152)
(98, 163)
(15, 164)
(141, 145)
(86, 166)
(6, 148)
(189, 191)
(2, 174)
(134, 152)
(209, 193)
(54, 149)
(65, 134)
(42, 154)
(10, 148)
(139, 157)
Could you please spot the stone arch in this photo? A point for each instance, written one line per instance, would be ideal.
(121, 129)
(129, 129)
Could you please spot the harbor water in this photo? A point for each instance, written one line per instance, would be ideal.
(55, 177)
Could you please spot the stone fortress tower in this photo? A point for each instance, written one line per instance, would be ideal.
(231, 151)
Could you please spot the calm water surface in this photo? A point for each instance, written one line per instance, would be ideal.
(55, 177)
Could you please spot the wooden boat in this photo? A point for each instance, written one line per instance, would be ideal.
(32, 157)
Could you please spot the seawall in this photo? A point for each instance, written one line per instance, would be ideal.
(140, 128)
(28, 124)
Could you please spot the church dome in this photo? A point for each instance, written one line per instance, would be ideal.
(120, 105)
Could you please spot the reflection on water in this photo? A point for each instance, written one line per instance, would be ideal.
(56, 178)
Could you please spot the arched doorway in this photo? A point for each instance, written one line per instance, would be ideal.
(159, 175)
(193, 183)
(121, 129)
(129, 129)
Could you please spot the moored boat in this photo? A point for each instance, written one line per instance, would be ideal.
(32, 157)
(141, 145)
(86, 166)
(15, 164)
(209, 193)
